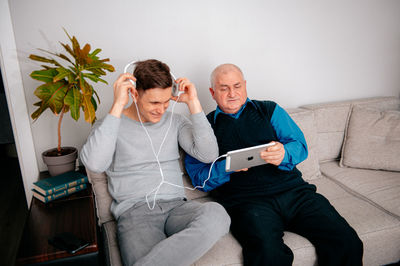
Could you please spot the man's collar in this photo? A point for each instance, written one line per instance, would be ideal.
(237, 114)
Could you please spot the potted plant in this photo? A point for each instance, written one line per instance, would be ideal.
(66, 89)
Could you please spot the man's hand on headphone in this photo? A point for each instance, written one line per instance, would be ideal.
(189, 95)
(122, 87)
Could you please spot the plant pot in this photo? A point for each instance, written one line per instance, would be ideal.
(59, 163)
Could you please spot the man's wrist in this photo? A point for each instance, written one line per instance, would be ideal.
(116, 110)
(195, 106)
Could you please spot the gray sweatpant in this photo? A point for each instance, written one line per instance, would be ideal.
(176, 232)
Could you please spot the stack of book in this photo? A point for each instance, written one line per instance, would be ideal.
(59, 186)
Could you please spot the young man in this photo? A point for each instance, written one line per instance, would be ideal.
(266, 200)
(156, 224)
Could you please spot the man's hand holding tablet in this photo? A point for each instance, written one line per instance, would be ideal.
(273, 154)
(242, 159)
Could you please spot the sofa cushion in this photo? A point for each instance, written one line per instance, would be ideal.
(331, 120)
(377, 228)
(374, 227)
(305, 120)
(380, 188)
(372, 139)
(227, 251)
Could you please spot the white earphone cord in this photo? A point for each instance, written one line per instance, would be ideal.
(155, 190)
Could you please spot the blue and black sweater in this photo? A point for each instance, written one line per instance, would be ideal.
(257, 122)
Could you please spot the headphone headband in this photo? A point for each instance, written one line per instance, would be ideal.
(175, 90)
(133, 62)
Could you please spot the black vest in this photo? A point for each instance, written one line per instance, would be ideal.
(253, 127)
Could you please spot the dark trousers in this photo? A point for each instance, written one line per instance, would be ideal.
(258, 224)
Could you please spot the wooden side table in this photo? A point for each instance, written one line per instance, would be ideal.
(75, 214)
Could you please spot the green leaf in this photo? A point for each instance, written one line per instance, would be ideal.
(67, 33)
(66, 108)
(90, 113)
(94, 103)
(62, 73)
(39, 111)
(82, 85)
(75, 46)
(68, 49)
(98, 98)
(94, 78)
(46, 67)
(46, 75)
(97, 67)
(109, 67)
(44, 59)
(73, 100)
(93, 55)
(62, 56)
(52, 95)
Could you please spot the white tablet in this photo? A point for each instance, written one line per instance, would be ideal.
(245, 158)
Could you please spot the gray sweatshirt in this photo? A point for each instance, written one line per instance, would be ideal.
(121, 148)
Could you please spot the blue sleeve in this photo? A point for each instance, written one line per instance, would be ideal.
(198, 173)
(292, 138)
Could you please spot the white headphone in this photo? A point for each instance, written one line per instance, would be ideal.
(175, 86)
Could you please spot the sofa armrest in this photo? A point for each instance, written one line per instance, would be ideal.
(101, 195)
(111, 247)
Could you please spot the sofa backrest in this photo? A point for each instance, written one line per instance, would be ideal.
(323, 126)
(306, 121)
(310, 167)
(331, 120)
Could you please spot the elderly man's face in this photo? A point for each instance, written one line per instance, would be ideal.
(229, 91)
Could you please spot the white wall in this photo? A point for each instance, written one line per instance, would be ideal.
(293, 52)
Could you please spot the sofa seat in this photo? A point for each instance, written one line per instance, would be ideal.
(381, 188)
(227, 251)
(375, 225)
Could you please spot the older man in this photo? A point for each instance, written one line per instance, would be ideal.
(266, 200)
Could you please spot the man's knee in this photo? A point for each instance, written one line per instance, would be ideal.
(215, 218)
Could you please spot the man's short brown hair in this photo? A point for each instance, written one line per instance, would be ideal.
(151, 74)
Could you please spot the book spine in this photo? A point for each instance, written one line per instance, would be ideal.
(63, 187)
(64, 193)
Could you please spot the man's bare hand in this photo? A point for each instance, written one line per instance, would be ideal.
(122, 87)
(189, 95)
(274, 154)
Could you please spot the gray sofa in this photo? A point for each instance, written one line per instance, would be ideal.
(363, 186)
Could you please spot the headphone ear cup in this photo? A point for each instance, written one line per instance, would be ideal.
(175, 89)
(133, 83)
